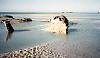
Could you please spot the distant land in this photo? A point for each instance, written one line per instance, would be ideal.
(29, 12)
(43, 12)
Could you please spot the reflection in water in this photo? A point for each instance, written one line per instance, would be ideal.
(9, 35)
(67, 30)
(70, 27)
(21, 30)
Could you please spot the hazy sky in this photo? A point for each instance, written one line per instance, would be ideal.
(49, 5)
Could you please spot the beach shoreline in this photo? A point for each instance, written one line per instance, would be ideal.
(41, 51)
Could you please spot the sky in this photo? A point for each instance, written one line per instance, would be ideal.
(49, 5)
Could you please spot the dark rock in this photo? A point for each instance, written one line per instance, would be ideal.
(8, 16)
(27, 19)
(62, 18)
(9, 26)
(3, 20)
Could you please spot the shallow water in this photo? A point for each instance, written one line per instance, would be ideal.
(83, 34)
(83, 38)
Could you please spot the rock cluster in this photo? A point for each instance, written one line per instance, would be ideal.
(14, 20)
(36, 52)
(25, 20)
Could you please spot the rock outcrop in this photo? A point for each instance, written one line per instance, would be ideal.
(62, 18)
(59, 24)
(8, 25)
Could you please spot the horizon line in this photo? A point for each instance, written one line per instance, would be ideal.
(41, 12)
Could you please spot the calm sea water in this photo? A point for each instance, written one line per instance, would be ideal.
(29, 34)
